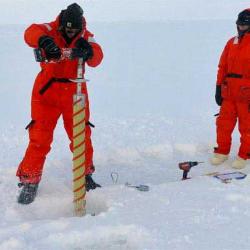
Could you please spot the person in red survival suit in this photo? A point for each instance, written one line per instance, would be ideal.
(52, 94)
(233, 94)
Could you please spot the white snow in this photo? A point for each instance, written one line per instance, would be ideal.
(152, 102)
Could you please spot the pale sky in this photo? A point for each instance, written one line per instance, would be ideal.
(26, 11)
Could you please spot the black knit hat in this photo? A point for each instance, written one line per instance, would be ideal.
(72, 17)
(244, 17)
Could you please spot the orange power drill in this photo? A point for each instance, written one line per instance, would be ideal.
(186, 166)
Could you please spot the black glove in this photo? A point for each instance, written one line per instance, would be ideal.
(218, 97)
(52, 51)
(87, 51)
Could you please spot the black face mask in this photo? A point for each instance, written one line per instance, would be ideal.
(66, 38)
(241, 33)
(69, 32)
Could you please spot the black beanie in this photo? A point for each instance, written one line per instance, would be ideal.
(72, 17)
(244, 17)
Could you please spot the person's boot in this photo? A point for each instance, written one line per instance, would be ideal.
(90, 183)
(28, 193)
(239, 163)
(218, 159)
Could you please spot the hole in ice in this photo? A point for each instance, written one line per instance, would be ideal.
(96, 203)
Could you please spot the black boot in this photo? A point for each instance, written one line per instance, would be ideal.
(90, 183)
(28, 193)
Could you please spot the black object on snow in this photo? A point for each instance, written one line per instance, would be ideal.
(28, 193)
(90, 183)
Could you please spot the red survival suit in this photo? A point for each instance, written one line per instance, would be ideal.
(234, 78)
(57, 100)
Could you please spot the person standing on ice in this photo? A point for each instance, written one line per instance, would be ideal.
(233, 94)
(52, 94)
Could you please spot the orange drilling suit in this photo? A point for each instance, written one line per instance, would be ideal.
(234, 78)
(48, 104)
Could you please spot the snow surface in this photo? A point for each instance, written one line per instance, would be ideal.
(152, 102)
